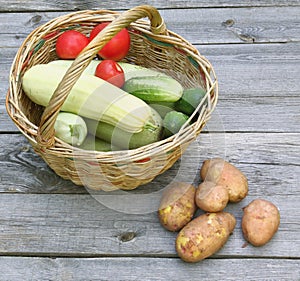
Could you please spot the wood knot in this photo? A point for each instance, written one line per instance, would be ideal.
(228, 23)
(127, 236)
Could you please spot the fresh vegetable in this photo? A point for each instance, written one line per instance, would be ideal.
(204, 236)
(93, 143)
(173, 121)
(70, 43)
(177, 206)
(223, 173)
(91, 97)
(190, 100)
(260, 221)
(111, 72)
(70, 128)
(123, 139)
(163, 107)
(130, 70)
(154, 88)
(117, 48)
(211, 197)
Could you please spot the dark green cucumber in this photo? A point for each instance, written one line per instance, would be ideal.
(173, 121)
(154, 88)
(190, 100)
(123, 139)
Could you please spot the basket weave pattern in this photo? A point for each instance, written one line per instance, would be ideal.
(152, 46)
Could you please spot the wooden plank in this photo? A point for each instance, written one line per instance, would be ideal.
(264, 158)
(81, 225)
(199, 26)
(112, 269)
(30, 5)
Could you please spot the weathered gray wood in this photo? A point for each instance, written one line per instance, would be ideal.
(75, 225)
(29, 5)
(270, 161)
(53, 230)
(112, 269)
(199, 26)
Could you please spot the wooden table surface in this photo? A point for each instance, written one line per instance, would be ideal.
(51, 229)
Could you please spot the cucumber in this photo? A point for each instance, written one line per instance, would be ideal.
(130, 70)
(90, 97)
(93, 143)
(125, 140)
(190, 100)
(173, 121)
(154, 88)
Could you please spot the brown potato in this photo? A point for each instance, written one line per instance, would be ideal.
(260, 222)
(223, 173)
(177, 206)
(211, 197)
(204, 236)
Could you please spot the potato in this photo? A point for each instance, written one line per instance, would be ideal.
(223, 173)
(204, 236)
(177, 206)
(260, 222)
(211, 197)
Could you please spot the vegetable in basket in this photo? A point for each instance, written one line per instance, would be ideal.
(123, 139)
(70, 43)
(117, 47)
(70, 128)
(154, 88)
(130, 70)
(90, 97)
(173, 121)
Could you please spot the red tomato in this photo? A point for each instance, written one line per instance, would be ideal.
(70, 43)
(115, 49)
(111, 72)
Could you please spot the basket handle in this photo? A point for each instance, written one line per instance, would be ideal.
(45, 132)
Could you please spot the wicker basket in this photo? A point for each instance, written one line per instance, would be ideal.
(153, 46)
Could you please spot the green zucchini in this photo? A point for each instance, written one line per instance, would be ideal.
(93, 143)
(123, 139)
(190, 100)
(154, 88)
(173, 122)
(91, 97)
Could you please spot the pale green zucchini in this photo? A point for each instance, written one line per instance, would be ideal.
(130, 70)
(123, 139)
(70, 128)
(91, 97)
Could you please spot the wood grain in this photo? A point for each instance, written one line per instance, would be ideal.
(30, 5)
(199, 26)
(81, 225)
(53, 230)
(128, 269)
